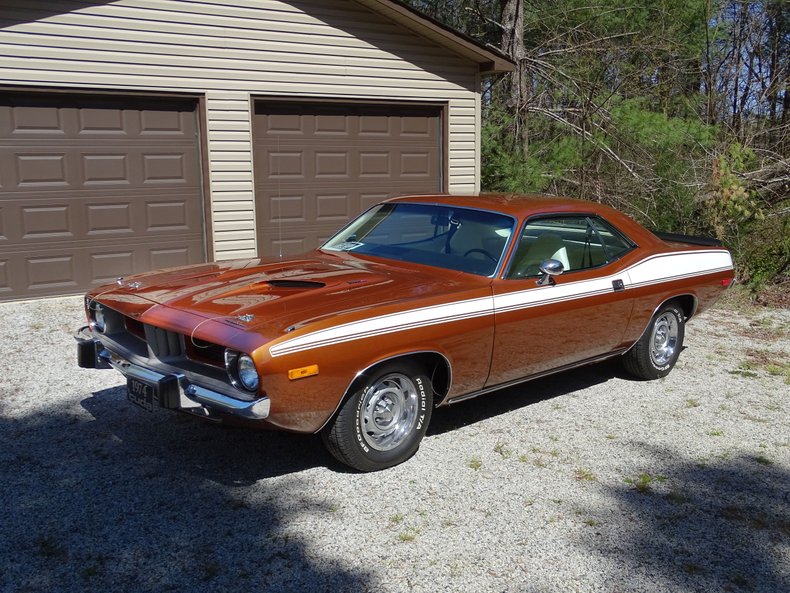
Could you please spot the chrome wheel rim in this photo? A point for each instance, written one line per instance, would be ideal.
(664, 339)
(388, 411)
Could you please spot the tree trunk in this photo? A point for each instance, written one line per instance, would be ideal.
(518, 87)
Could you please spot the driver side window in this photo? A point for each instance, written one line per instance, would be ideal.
(575, 241)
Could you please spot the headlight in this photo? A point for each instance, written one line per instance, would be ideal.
(241, 370)
(98, 318)
(248, 374)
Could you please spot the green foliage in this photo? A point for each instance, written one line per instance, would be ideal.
(664, 134)
(664, 110)
(765, 250)
(735, 203)
(669, 150)
(505, 168)
(737, 215)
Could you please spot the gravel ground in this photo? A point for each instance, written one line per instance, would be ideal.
(585, 481)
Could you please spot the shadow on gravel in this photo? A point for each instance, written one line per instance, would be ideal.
(229, 455)
(719, 526)
(125, 500)
(513, 398)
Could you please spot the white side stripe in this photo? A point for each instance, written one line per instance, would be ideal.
(664, 267)
(387, 323)
(546, 294)
(653, 270)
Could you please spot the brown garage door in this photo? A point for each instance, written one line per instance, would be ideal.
(95, 188)
(316, 166)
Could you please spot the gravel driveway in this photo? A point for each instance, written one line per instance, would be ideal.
(585, 481)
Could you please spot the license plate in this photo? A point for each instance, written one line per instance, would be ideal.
(141, 393)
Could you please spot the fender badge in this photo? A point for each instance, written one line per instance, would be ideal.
(246, 318)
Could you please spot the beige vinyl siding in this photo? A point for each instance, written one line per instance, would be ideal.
(230, 165)
(229, 53)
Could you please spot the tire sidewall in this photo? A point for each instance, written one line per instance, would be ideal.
(411, 443)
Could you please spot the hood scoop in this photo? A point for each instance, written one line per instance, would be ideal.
(295, 284)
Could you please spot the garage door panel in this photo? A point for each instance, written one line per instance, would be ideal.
(96, 188)
(103, 121)
(166, 123)
(46, 222)
(287, 246)
(416, 164)
(4, 282)
(105, 169)
(29, 169)
(332, 165)
(375, 164)
(24, 120)
(317, 166)
(164, 257)
(375, 126)
(106, 219)
(294, 242)
(73, 268)
(279, 124)
(284, 208)
(286, 164)
(353, 166)
(32, 223)
(58, 117)
(335, 208)
(171, 215)
(55, 272)
(330, 125)
(106, 267)
(419, 127)
(307, 206)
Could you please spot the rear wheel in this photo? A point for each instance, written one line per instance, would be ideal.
(657, 351)
(382, 423)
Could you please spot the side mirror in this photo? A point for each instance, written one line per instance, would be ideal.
(550, 268)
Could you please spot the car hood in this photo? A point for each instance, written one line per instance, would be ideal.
(276, 296)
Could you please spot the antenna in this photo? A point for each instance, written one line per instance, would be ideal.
(279, 205)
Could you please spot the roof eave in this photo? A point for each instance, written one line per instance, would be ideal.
(490, 60)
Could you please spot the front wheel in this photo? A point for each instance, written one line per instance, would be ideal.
(657, 351)
(382, 423)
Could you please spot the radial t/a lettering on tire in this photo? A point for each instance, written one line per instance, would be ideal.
(383, 421)
(657, 351)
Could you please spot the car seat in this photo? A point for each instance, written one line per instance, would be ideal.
(546, 246)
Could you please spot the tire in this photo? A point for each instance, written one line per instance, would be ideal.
(382, 422)
(657, 351)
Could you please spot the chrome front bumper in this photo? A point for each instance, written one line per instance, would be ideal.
(176, 391)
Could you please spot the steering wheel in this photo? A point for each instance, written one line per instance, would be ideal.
(483, 251)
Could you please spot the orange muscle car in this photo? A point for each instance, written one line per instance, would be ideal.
(420, 302)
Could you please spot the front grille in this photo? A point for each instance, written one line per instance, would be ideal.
(163, 343)
(146, 340)
(135, 327)
(205, 352)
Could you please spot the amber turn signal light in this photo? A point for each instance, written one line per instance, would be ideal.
(303, 372)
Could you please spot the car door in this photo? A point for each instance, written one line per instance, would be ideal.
(582, 314)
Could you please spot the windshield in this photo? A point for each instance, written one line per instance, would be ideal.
(459, 239)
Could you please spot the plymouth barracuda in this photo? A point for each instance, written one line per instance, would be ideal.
(420, 302)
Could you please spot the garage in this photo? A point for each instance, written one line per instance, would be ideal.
(318, 165)
(95, 187)
(140, 134)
